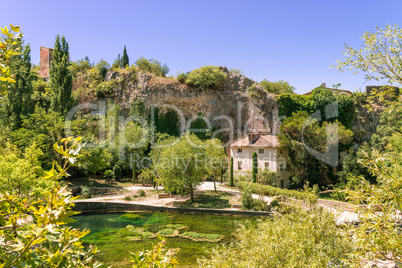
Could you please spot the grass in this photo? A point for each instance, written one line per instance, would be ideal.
(209, 199)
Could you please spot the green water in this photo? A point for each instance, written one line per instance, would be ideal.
(110, 235)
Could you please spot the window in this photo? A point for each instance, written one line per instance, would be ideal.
(266, 164)
(282, 184)
(260, 151)
(281, 167)
(239, 165)
(239, 150)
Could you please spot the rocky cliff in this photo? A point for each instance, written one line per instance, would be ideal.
(240, 103)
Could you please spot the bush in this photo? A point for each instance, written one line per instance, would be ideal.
(274, 191)
(105, 89)
(141, 193)
(85, 192)
(259, 205)
(206, 77)
(267, 177)
(152, 66)
(182, 77)
(247, 199)
(117, 171)
(127, 198)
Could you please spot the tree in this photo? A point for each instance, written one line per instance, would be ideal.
(8, 39)
(125, 60)
(379, 57)
(278, 87)
(301, 132)
(96, 159)
(34, 228)
(215, 158)
(60, 78)
(231, 172)
(378, 234)
(152, 66)
(18, 100)
(182, 167)
(255, 166)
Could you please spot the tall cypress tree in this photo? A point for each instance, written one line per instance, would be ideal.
(18, 101)
(61, 81)
(255, 167)
(125, 60)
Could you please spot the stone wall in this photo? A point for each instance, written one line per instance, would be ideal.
(91, 206)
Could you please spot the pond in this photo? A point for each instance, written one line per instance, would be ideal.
(118, 234)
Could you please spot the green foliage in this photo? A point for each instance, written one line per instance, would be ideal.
(236, 71)
(299, 131)
(378, 57)
(303, 239)
(166, 122)
(200, 128)
(8, 39)
(202, 237)
(152, 66)
(247, 198)
(42, 128)
(105, 89)
(18, 100)
(267, 177)
(60, 78)
(278, 87)
(141, 193)
(255, 167)
(231, 172)
(34, 227)
(22, 173)
(378, 235)
(274, 191)
(95, 159)
(252, 92)
(206, 77)
(125, 60)
(103, 67)
(157, 257)
(320, 97)
(182, 77)
(179, 167)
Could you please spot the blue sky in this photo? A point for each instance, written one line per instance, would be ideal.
(295, 41)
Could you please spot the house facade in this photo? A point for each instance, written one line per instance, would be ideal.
(269, 155)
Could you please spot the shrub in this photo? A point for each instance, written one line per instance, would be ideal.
(274, 191)
(182, 77)
(259, 205)
(117, 171)
(206, 77)
(267, 177)
(105, 89)
(247, 199)
(127, 198)
(141, 193)
(85, 192)
(152, 66)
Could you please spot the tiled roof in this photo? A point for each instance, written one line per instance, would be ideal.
(260, 140)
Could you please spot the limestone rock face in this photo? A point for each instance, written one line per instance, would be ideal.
(240, 104)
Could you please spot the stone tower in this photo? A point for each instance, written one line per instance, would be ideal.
(45, 59)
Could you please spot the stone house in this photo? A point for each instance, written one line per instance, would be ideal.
(270, 157)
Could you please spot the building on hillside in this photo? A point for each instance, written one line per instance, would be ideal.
(270, 157)
(341, 91)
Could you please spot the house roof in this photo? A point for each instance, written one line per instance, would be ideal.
(256, 140)
(341, 91)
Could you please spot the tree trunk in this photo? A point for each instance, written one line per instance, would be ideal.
(191, 193)
(215, 184)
